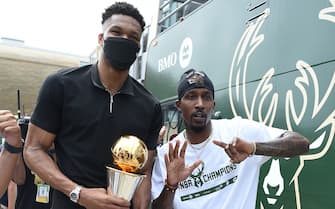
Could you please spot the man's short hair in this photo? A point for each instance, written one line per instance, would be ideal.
(192, 79)
(123, 8)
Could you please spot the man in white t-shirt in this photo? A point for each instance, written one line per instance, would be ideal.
(221, 165)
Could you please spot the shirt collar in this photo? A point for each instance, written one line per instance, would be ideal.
(127, 87)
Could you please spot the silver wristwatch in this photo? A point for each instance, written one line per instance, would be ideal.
(74, 194)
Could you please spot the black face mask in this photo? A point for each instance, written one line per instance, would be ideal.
(120, 52)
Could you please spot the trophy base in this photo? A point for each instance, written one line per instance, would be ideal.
(121, 183)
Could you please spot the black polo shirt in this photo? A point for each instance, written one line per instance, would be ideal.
(87, 120)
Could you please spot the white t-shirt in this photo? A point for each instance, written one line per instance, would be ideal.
(217, 183)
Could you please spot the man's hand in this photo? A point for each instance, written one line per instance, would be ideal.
(238, 150)
(97, 198)
(161, 135)
(9, 128)
(175, 164)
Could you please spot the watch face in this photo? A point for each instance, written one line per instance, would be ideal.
(74, 196)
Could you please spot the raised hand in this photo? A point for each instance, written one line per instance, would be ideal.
(238, 150)
(9, 128)
(175, 164)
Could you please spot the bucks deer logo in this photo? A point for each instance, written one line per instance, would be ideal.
(197, 174)
(304, 104)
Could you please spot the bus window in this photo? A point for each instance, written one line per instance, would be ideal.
(171, 11)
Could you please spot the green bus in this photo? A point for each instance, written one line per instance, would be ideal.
(271, 61)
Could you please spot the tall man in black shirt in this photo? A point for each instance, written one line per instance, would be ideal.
(84, 110)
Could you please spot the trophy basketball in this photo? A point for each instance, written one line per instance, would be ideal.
(130, 155)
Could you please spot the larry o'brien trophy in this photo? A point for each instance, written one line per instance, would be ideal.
(129, 155)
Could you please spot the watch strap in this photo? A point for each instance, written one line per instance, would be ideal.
(12, 149)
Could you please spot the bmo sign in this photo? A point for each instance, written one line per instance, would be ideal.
(184, 56)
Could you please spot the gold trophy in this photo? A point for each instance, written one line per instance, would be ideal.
(130, 155)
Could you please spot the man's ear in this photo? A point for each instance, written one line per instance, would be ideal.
(178, 105)
(101, 39)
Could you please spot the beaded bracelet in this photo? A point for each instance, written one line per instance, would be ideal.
(169, 187)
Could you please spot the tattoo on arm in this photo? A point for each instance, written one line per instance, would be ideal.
(289, 144)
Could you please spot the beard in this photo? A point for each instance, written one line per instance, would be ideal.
(197, 129)
(198, 121)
